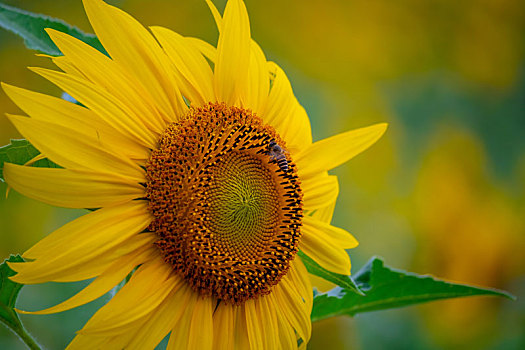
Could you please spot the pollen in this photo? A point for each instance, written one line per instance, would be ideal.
(226, 211)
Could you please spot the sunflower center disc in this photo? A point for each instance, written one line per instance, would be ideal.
(227, 206)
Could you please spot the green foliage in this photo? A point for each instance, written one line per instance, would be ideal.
(387, 288)
(8, 293)
(314, 268)
(30, 26)
(21, 152)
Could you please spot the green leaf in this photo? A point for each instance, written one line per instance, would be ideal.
(8, 293)
(30, 26)
(20, 152)
(387, 288)
(340, 280)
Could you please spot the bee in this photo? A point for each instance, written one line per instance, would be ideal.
(277, 153)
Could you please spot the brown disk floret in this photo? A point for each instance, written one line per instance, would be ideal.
(228, 216)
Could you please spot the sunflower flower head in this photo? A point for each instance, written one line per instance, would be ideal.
(200, 163)
(228, 217)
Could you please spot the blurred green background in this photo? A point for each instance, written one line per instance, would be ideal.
(441, 193)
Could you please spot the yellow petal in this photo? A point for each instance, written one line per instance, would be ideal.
(209, 51)
(298, 277)
(54, 110)
(333, 151)
(103, 72)
(68, 67)
(255, 95)
(258, 85)
(74, 231)
(233, 53)
(285, 114)
(298, 130)
(224, 327)
(96, 266)
(130, 45)
(146, 290)
(179, 334)
(326, 245)
(255, 333)
(60, 112)
(338, 236)
(71, 188)
(319, 191)
(88, 237)
(287, 339)
(294, 309)
(143, 305)
(82, 342)
(112, 111)
(321, 284)
(161, 322)
(216, 15)
(113, 275)
(144, 333)
(201, 329)
(325, 214)
(241, 328)
(191, 65)
(267, 322)
(330, 257)
(72, 149)
(34, 160)
(117, 342)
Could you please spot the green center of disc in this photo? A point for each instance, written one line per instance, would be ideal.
(244, 205)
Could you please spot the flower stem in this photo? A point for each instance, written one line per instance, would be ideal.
(27, 339)
(16, 326)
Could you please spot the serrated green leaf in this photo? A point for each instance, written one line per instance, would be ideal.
(9, 292)
(340, 280)
(387, 288)
(20, 152)
(30, 26)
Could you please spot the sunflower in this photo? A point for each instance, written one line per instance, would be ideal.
(198, 166)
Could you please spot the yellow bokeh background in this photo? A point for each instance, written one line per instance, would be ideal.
(442, 193)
